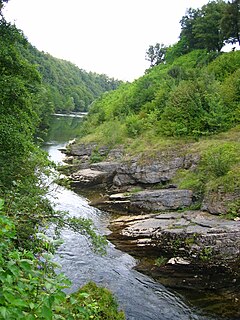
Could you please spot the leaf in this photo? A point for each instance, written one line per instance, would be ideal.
(19, 303)
(31, 305)
(3, 312)
(1, 204)
(26, 264)
(9, 279)
(46, 313)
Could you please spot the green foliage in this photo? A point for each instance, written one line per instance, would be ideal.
(30, 288)
(134, 125)
(218, 160)
(92, 302)
(191, 180)
(233, 211)
(67, 88)
(18, 114)
(201, 28)
(230, 22)
(96, 156)
(206, 254)
(218, 171)
(195, 95)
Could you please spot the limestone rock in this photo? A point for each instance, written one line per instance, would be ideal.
(178, 260)
(218, 202)
(190, 235)
(152, 200)
(89, 177)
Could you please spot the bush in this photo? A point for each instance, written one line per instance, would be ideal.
(218, 160)
(134, 125)
(93, 302)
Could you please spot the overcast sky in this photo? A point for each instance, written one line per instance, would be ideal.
(103, 36)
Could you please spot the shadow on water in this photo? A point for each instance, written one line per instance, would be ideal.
(138, 295)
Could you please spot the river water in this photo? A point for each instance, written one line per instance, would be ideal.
(138, 295)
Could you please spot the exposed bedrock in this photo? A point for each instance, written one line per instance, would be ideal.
(193, 235)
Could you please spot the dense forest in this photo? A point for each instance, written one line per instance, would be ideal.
(195, 95)
(66, 87)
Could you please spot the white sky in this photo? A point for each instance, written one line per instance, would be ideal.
(103, 36)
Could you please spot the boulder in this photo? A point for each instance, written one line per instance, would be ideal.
(158, 170)
(106, 166)
(148, 201)
(89, 178)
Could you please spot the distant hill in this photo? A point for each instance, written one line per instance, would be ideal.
(68, 88)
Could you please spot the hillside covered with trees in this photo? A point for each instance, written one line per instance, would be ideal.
(191, 88)
(66, 87)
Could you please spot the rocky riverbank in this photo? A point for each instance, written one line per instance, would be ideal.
(166, 218)
(178, 240)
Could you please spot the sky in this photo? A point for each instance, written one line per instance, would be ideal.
(102, 36)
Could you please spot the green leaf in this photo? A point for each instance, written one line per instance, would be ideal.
(46, 313)
(3, 312)
(1, 204)
(31, 305)
(19, 303)
(26, 264)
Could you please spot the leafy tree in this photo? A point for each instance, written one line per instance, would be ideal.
(207, 27)
(19, 81)
(201, 28)
(187, 38)
(156, 54)
(230, 22)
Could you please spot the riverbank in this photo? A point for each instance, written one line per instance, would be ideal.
(139, 296)
(167, 228)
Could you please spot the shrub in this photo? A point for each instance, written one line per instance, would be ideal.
(218, 160)
(134, 125)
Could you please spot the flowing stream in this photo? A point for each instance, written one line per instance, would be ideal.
(139, 296)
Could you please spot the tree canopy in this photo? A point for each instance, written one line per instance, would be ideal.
(230, 22)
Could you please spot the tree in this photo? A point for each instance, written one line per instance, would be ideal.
(201, 28)
(187, 37)
(207, 28)
(156, 54)
(230, 22)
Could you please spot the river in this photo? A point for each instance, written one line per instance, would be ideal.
(138, 295)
